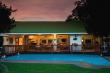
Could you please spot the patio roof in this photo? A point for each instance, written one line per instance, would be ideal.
(48, 27)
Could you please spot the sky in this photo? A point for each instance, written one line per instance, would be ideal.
(41, 10)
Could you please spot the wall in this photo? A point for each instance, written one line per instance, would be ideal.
(5, 41)
(8, 41)
(78, 41)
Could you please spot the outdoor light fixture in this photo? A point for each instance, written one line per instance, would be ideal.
(82, 40)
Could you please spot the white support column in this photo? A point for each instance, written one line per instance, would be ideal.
(5, 41)
(14, 43)
(55, 42)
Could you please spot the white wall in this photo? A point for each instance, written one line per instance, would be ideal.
(5, 41)
(79, 41)
(8, 49)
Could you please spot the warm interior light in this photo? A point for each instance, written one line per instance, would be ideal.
(31, 36)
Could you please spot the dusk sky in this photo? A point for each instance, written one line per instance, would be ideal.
(41, 10)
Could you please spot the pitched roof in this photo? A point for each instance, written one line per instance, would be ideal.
(48, 27)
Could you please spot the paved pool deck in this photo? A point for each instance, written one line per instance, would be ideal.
(77, 63)
(80, 64)
(107, 57)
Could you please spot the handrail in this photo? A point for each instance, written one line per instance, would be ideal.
(47, 48)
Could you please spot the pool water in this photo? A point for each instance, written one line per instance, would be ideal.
(91, 59)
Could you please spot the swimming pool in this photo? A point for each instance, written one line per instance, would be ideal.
(91, 59)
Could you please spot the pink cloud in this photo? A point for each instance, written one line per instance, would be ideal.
(43, 10)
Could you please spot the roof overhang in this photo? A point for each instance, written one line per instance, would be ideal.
(74, 27)
(40, 33)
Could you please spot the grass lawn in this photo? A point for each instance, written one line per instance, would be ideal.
(49, 68)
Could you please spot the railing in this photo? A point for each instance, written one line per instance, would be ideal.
(47, 48)
(13, 48)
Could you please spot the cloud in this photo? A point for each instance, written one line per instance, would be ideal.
(41, 9)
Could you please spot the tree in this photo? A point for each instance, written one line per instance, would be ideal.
(95, 14)
(69, 18)
(6, 22)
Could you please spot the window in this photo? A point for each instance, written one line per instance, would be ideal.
(88, 43)
(63, 40)
(43, 41)
(49, 41)
(11, 40)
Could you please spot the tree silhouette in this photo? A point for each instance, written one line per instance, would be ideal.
(69, 18)
(6, 22)
(95, 14)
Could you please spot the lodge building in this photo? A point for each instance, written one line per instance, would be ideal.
(57, 36)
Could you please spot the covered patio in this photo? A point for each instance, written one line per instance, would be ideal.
(47, 37)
